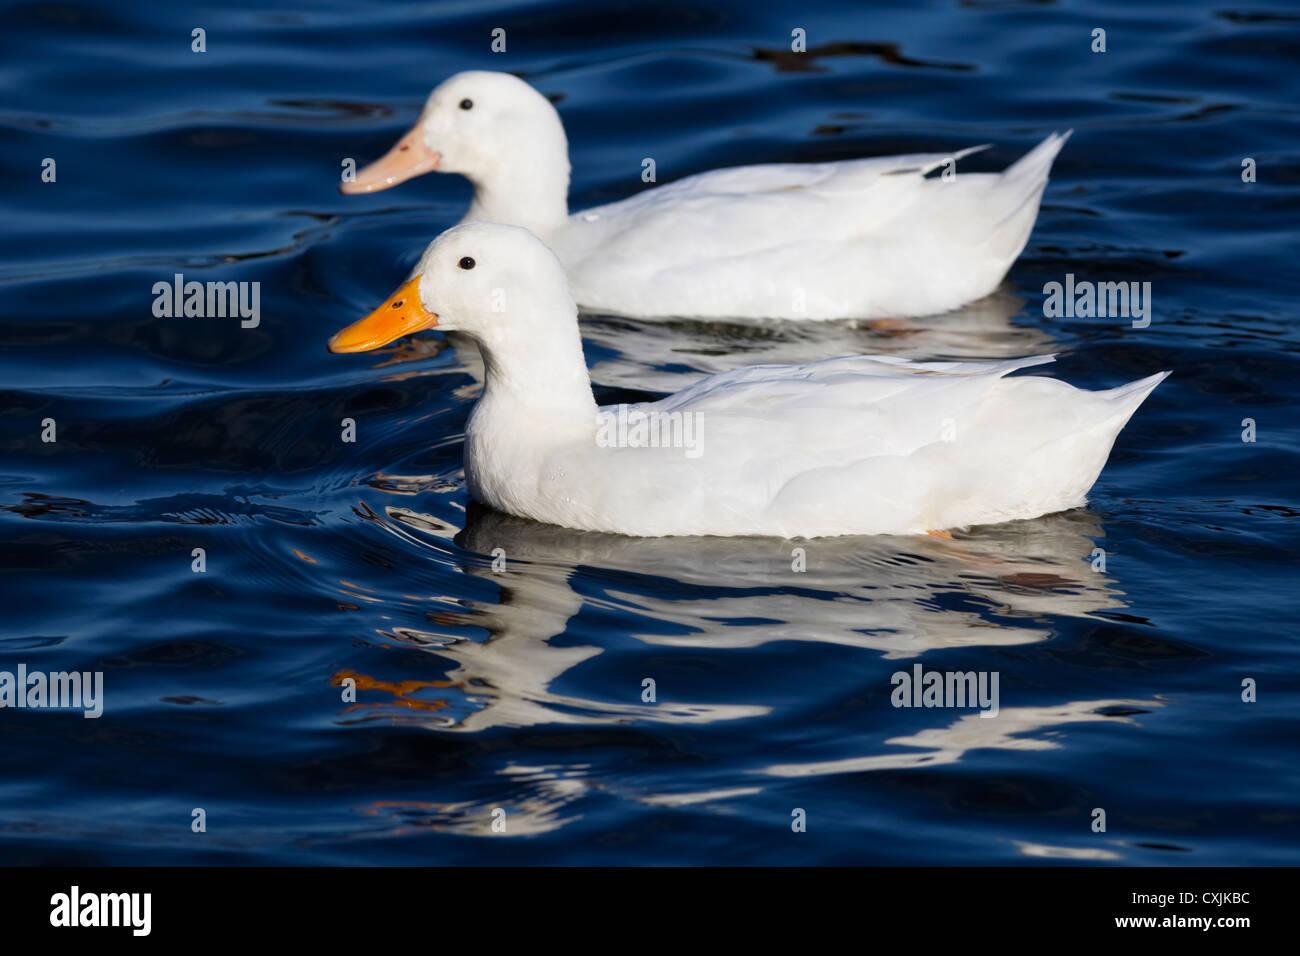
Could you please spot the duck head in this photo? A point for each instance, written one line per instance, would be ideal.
(504, 288)
(498, 132)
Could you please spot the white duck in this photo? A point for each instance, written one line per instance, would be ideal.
(864, 238)
(854, 445)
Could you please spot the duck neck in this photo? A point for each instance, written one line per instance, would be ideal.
(531, 193)
(540, 379)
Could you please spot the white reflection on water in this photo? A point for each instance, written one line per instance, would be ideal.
(1046, 852)
(509, 675)
(884, 593)
(894, 596)
(546, 791)
(665, 357)
(946, 745)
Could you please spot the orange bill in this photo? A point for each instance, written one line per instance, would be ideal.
(402, 314)
(409, 158)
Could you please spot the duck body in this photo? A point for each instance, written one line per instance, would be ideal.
(853, 445)
(865, 238)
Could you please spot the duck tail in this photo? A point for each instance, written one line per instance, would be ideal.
(1033, 167)
(1017, 194)
(1126, 398)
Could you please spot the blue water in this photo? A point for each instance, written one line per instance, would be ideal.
(1119, 689)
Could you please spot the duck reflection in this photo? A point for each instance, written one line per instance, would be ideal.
(668, 356)
(531, 802)
(896, 596)
(900, 596)
(946, 745)
(509, 675)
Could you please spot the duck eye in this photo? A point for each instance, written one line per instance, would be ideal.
(467, 104)
(467, 263)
